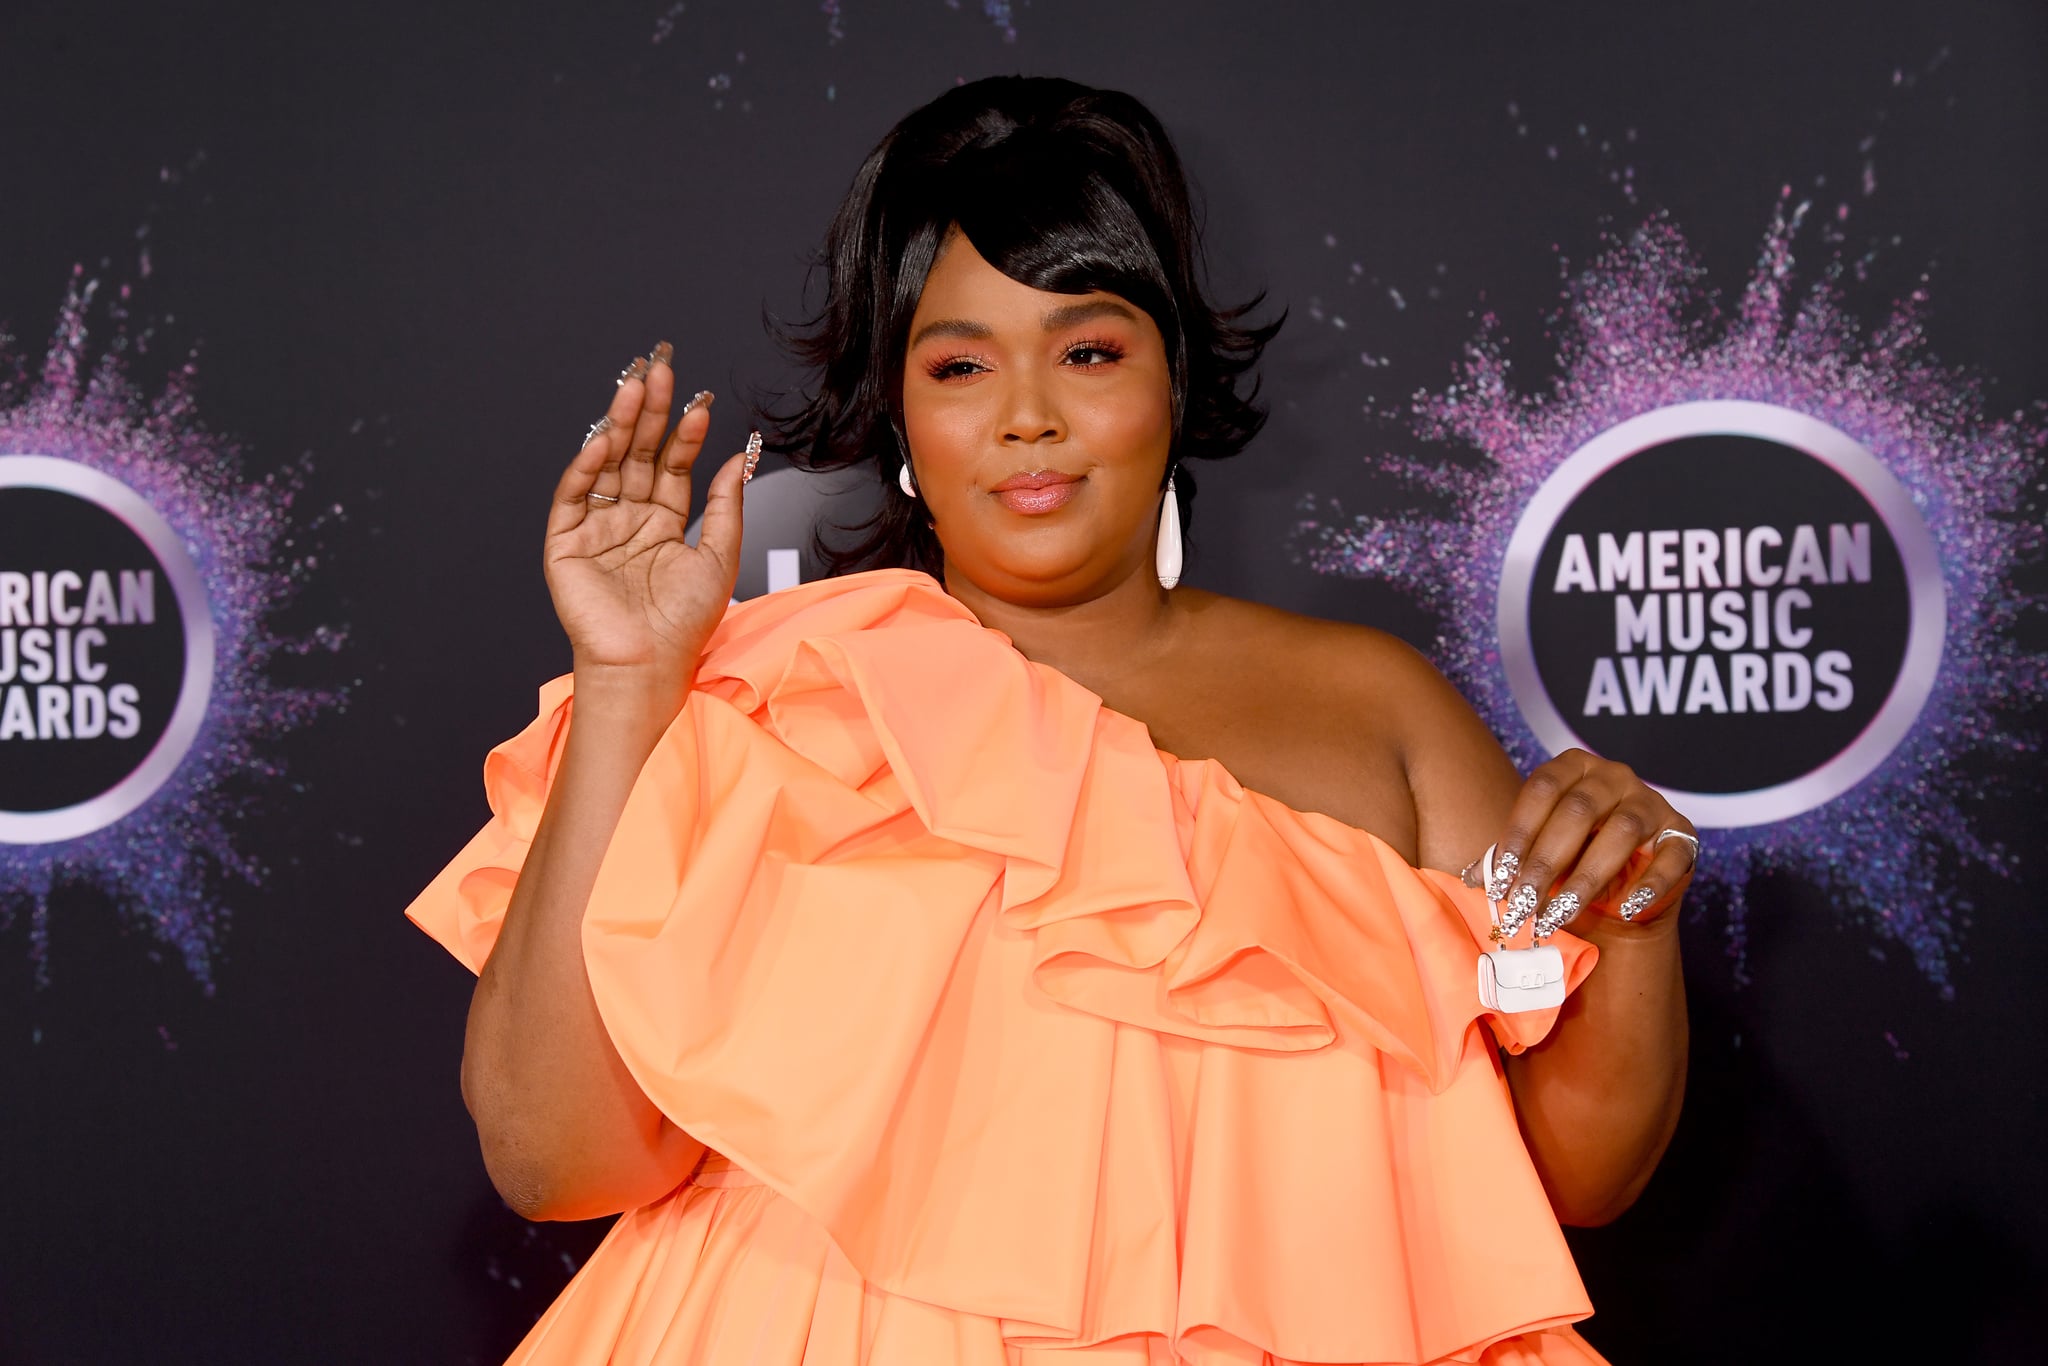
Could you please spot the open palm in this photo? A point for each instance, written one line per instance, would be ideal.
(630, 592)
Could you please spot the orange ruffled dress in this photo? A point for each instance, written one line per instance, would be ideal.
(1017, 1041)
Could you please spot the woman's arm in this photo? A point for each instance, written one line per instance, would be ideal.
(1599, 1098)
(566, 1132)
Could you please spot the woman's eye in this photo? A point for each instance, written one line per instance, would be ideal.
(954, 368)
(1093, 353)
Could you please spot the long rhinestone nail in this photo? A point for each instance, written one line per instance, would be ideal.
(753, 458)
(637, 370)
(697, 400)
(1521, 906)
(1559, 912)
(1505, 866)
(1637, 901)
(661, 353)
(597, 429)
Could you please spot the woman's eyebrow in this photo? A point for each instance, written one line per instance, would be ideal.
(952, 327)
(1069, 314)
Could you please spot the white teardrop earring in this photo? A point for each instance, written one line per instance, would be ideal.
(903, 481)
(1167, 558)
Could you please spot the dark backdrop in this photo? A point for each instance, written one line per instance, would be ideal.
(417, 240)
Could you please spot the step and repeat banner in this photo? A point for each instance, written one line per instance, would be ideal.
(1671, 375)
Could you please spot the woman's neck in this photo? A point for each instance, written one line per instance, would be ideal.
(1097, 642)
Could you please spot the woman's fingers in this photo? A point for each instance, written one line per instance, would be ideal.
(672, 472)
(1626, 827)
(592, 476)
(636, 471)
(1549, 825)
(1670, 868)
(623, 414)
(1581, 828)
(723, 520)
(1533, 805)
(572, 490)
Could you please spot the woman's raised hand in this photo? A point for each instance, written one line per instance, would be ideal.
(638, 603)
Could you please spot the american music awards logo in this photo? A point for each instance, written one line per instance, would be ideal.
(1738, 597)
(106, 650)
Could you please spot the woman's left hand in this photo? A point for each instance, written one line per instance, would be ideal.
(1581, 830)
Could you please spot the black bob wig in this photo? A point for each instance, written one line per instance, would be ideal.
(1059, 186)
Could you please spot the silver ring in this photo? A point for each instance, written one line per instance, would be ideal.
(1670, 834)
(605, 498)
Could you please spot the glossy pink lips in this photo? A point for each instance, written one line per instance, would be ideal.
(1037, 492)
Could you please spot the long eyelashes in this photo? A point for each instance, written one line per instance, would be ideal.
(953, 367)
(1097, 353)
(1106, 352)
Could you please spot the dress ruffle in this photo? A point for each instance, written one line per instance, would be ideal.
(1052, 1041)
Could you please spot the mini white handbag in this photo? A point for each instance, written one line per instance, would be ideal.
(1514, 980)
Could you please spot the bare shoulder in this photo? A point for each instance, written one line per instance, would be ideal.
(1359, 671)
(1395, 728)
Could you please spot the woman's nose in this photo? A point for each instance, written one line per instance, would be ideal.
(1031, 416)
(1022, 435)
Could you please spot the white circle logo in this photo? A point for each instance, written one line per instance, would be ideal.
(106, 650)
(1736, 599)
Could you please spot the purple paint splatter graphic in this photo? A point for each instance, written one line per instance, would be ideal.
(163, 863)
(1641, 329)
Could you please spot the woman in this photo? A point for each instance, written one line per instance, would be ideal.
(1004, 972)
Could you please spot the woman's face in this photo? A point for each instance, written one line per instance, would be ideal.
(1039, 428)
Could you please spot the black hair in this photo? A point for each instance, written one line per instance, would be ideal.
(1059, 186)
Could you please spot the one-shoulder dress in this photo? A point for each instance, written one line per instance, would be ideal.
(1017, 1041)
